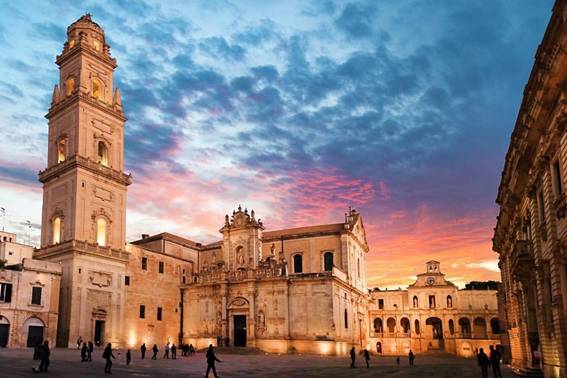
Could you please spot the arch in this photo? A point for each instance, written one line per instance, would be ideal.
(69, 86)
(479, 327)
(56, 227)
(465, 327)
(415, 302)
(238, 302)
(33, 321)
(34, 328)
(451, 327)
(102, 153)
(328, 261)
(391, 324)
(61, 149)
(101, 231)
(405, 324)
(378, 326)
(4, 331)
(416, 327)
(449, 301)
(495, 325)
(97, 89)
(434, 328)
(298, 263)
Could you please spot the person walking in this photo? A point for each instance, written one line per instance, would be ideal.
(44, 357)
(494, 358)
(166, 351)
(411, 357)
(155, 350)
(367, 357)
(173, 352)
(90, 350)
(483, 362)
(211, 359)
(398, 361)
(79, 342)
(84, 352)
(107, 355)
(143, 350)
(191, 349)
(352, 357)
(219, 341)
(128, 357)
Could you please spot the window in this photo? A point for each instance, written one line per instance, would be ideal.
(142, 312)
(358, 267)
(415, 302)
(36, 296)
(161, 267)
(297, 264)
(102, 153)
(144, 263)
(69, 86)
(5, 292)
(432, 301)
(416, 327)
(346, 318)
(61, 150)
(184, 280)
(127, 280)
(451, 327)
(449, 301)
(541, 208)
(328, 261)
(380, 304)
(101, 232)
(97, 89)
(557, 178)
(56, 228)
(159, 313)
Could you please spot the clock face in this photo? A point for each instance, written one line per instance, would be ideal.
(430, 280)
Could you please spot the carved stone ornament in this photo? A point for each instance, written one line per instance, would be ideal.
(100, 279)
(238, 302)
(560, 207)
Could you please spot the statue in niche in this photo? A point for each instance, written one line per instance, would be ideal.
(240, 256)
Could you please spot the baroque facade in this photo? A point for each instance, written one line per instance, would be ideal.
(299, 289)
(531, 232)
(29, 295)
(433, 314)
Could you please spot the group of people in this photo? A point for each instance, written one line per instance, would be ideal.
(186, 350)
(223, 341)
(492, 360)
(411, 358)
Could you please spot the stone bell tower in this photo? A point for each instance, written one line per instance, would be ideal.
(84, 187)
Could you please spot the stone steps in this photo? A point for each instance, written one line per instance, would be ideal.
(528, 372)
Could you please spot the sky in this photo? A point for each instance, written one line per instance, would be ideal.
(296, 109)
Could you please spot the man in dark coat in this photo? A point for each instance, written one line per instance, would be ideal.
(143, 350)
(367, 357)
(107, 355)
(352, 357)
(211, 359)
(155, 350)
(84, 352)
(411, 357)
(90, 350)
(483, 362)
(44, 357)
(494, 358)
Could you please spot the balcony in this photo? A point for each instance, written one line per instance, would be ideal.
(521, 259)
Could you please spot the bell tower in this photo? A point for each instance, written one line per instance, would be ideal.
(84, 186)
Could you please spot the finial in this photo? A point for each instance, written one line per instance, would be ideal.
(252, 214)
(245, 211)
(239, 207)
(117, 101)
(55, 97)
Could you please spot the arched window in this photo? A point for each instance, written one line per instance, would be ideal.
(378, 325)
(101, 232)
(465, 327)
(415, 302)
(405, 324)
(61, 150)
(451, 327)
(328, 261)
(346, 318)
(479, 327)
(97, 89)
(416, 327)
(69, 86)
(297, 264)
(102, 153)
(495, 325)
(56, 228)
(391, 324)
(449, 301)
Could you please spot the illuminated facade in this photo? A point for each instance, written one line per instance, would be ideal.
(531, 232)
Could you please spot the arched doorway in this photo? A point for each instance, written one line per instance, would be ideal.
(34, 328)
(434, 333)
(379, 347)
(391, 324)
(405, 324)
(4, 331)
(238, 311)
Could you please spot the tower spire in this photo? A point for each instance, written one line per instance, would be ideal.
(55, 96)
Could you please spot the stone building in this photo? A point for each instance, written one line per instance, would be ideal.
(29, 295)
(433, 314)
(531, 232)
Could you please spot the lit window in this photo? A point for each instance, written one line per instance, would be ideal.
(102, 153)
(69, 86)
(97, 89)
(56, 226)
(101, 231)
(61, 150)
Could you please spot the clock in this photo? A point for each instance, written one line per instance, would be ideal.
(430, 281)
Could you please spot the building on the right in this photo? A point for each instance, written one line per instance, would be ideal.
(531, 231)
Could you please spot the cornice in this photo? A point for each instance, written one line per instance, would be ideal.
(78, 97)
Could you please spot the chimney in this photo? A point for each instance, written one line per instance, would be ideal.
(145, 236)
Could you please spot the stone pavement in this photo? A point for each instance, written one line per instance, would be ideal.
(66, 363)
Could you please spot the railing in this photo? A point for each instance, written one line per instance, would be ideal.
(87, 247)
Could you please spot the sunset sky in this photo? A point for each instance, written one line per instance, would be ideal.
(297, 109)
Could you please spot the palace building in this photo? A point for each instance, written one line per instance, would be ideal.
(531, 232)
(292, 290)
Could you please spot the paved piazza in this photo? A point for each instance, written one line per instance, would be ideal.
(66, 363)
